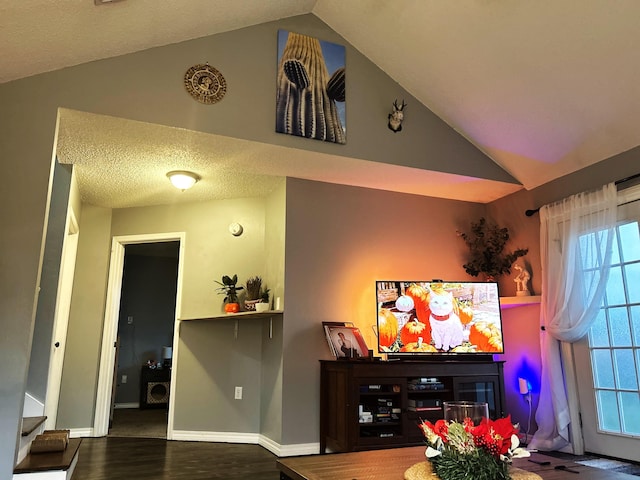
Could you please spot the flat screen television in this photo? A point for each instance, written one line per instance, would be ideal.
(425, 318)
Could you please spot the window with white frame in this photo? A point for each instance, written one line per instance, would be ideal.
(614, 337)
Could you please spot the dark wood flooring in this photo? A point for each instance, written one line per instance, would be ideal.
(111, 458)
(117, 458)
(133, 422)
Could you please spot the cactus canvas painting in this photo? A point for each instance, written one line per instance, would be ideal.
(310, 97)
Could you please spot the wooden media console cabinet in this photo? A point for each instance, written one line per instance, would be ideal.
(367, 405)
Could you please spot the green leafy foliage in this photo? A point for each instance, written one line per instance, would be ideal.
(229, 288)
(265, 295)
(486, 243)
(477, 465)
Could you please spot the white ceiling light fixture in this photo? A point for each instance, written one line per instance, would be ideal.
(183, 179)
(105, 2)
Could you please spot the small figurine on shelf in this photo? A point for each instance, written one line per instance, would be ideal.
(522, 280)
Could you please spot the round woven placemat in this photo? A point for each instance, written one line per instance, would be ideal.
(423, 471)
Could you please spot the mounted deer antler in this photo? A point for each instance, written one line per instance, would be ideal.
(396, 117)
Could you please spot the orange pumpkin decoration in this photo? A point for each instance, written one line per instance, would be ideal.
(465, 313)
(463, 349)
(387, 327)
(486, 337)
(418, 346)
(420, 297)
(495, 344)
(232, 307)
(413, 330)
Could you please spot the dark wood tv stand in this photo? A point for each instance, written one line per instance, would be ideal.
(367, 405)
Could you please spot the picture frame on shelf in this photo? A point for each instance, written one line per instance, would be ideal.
(347, 342)
(326, 326)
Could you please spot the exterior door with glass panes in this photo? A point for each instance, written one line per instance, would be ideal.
(608, 359)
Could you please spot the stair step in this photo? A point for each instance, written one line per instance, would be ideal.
(39, 462)
(29, 424)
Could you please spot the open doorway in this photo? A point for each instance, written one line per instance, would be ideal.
(145, 339)
(143, 300)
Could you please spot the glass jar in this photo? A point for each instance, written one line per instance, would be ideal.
(458, 411)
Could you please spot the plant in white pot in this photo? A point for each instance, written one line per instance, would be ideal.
(263, 306)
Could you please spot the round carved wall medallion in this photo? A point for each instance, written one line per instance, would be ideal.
(205, 83)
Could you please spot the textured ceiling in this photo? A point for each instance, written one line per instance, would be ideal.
(123, 163)
(543, 87)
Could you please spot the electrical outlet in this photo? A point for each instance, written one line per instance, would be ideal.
(124, 379)
(238, 393)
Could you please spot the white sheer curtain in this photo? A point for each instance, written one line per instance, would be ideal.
(575, 252)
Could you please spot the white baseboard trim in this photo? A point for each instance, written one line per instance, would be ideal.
(270, 445)
(80, 432)
(252, 438)
(296, 449)
(227, 437)
(127, 405)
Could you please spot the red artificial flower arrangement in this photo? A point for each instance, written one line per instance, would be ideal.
(460, 451)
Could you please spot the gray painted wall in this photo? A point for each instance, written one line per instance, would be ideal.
(271, 394)
(82, 355)
(209, 347)
(45, 312)
(339, 241)
(212, 362)
(119, 87)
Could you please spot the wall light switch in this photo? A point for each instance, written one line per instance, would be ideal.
(130, 319)
(238, 393)
(124, 379)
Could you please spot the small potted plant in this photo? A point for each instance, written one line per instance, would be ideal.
(263, 305)
(486, 244)
(254, 288)
(265, 295)
(229, 288)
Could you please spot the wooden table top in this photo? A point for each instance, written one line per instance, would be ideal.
(390, 464)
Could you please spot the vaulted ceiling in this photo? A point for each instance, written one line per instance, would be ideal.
(544, 87)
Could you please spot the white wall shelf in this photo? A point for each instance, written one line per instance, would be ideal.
(237, 316)
(512, 302)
